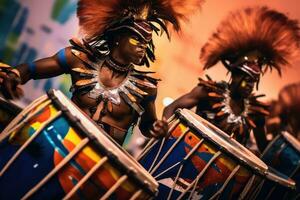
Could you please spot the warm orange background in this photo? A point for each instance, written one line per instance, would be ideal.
(178, 62)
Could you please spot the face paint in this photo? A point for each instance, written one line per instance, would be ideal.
(243, 83)
(133, 41)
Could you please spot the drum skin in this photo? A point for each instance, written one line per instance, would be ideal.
(46, 151)
(214, 177)
(284, 157)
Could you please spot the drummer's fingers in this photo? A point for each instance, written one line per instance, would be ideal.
(165, 119)
(2, 77)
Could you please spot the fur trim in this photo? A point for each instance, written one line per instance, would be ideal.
(259, 28)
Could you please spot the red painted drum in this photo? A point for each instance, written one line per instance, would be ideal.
(53, 151)
(199, 161)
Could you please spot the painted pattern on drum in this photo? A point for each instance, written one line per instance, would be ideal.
(212, 180)
(284, 158)
(45, 152)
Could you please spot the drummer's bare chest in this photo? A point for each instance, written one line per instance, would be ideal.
(89, 100)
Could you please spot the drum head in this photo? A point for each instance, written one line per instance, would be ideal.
(280, 178)
(101, 138)
(292, 140)
(222, 140)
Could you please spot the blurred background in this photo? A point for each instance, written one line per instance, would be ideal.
(33, 29)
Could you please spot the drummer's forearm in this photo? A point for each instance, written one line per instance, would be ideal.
(44, 68)
(169, 110)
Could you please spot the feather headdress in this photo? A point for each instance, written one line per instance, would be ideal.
(96, 16)
(271, 33)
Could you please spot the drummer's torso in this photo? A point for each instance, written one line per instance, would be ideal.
(108, 97)
(217, 109)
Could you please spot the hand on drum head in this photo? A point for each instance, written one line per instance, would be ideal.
(10, 85)
(159, 128)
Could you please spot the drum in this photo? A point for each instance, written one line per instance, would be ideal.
(199, 161)
(53, 151)
(283, 154)
(8, 111)
(274, 185)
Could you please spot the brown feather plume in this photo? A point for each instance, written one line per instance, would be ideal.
(259, 28)
(176, 11)
(97, 15)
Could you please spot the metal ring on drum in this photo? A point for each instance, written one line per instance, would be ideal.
(199, 161)
(53, 151)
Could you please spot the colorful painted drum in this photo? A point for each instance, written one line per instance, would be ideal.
(199, 161)
(8, 111)
(53, 151)
(273, 186)
(283, 154)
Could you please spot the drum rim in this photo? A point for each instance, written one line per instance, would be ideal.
(115, 153)
(291, 140)
(271, 175)
(261, 169)
(124, 159)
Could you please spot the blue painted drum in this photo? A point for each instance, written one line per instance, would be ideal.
(283, 154)
(199, 161)
(51, 150)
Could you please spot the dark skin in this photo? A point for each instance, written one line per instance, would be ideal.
(128, 48)
(240, 88)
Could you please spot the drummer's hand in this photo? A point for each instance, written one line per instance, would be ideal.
(159, 128)
(10, 85)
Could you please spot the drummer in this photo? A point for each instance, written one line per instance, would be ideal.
(247, 42)
(284, 113)
(106, 85)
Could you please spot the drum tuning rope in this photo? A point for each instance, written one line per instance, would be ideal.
(168, 152)
(60, 165)
(32, 137)
(157, 155)
(271, 191)
(247, 187)
(136, 195)
(195, 182)
(218, 193)
(22, 115)
(114, 187)
(86, 177)
(149, 146)
(257, 189)
(154, 141)
(195, 148)
(5, 134)
(183, 161)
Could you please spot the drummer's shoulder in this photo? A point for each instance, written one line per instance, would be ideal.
(259, 107)
(210, 85)
(145, 80)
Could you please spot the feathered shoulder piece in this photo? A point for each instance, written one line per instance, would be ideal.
(97, 16)
(212, 86)
(261, 29)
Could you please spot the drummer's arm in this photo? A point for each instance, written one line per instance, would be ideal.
(11, 78)
(188, 101)
(46, 67)
(150, 126)
(260, 134)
